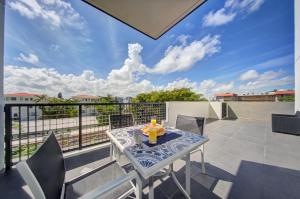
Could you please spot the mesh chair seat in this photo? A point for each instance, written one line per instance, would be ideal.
(97, 178)
(44, 173)
(193, 125)
(190, 124)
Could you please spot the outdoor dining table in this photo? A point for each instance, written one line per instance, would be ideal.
(148, 160)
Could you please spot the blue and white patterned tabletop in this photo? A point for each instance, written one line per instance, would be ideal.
(173, 142)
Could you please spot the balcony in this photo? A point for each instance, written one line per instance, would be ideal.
(244, 158)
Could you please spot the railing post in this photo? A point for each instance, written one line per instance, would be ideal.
(8, 138)
(80, 127)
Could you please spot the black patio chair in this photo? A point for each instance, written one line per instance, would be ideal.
(193, 125)
(289, 124)
(44, 172)
(120, 121)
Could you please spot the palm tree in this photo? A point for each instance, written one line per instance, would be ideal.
(40, 98)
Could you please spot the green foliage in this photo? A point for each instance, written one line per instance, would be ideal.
(288, 98)
(183, 94)
(63, 111)
(24, 150)
(105, 110)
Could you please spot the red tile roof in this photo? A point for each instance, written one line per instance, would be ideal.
(21, 94)
(288, 92)
(225, 94)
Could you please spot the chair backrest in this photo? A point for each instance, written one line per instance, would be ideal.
(120, 121)
(298, 114)
(190, 124)
(48, 167)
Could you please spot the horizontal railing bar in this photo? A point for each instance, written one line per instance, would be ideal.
(77, 104)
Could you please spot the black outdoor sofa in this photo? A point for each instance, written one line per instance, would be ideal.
(289, 124)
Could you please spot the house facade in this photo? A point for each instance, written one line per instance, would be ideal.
(23, 98)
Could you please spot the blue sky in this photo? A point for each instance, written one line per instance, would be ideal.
(237, 46)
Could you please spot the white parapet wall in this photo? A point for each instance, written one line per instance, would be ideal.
(198, 109)
(186, 108)
(258, 110)
(236, 110)
(297, 55)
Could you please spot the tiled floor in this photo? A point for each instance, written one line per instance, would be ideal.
(244, 159)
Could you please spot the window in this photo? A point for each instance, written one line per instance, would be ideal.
(13, 99)
(26, 99)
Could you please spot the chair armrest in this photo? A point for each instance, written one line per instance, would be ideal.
(101, 191)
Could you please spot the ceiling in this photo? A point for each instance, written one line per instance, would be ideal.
(151, 17)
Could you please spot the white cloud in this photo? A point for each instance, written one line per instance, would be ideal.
(279, 61)
(132, 67)
(224, 87)
(183, 57)
(230, 11)
(244, 5)
(55, 12)
(217, 18)
(182, 83)
(268, 80)
(30, 58)
(250, 74)
(183, 39)
(50, 81)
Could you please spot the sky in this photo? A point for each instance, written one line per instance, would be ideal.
(240, 46)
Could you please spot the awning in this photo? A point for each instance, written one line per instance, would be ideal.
(151, 17)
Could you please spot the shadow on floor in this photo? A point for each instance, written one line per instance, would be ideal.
(252, 180)
(11, 186)
(255, 180)
(86, 158)
(202, 185)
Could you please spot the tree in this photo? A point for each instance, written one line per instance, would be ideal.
(182, 94)
(59, 95)
(60, 110)
(287, 98)
(40, 98)
(105, 110)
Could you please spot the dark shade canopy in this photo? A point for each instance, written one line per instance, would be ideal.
(151, 17)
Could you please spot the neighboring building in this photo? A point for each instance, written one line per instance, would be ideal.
(86, 98)
(280, 94)
(12, 98)
(127, 99)
(257, 98)
(226, 97)
(273, 96)
(23, 98)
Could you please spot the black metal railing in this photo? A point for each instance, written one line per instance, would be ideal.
(76, 125)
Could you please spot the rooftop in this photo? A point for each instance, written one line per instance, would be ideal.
(244, 159)
(21, 94)
(225, 94)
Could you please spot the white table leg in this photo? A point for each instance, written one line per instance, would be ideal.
(188, 174)
(151, 188)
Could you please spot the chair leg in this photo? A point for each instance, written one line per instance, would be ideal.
(202, 161)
